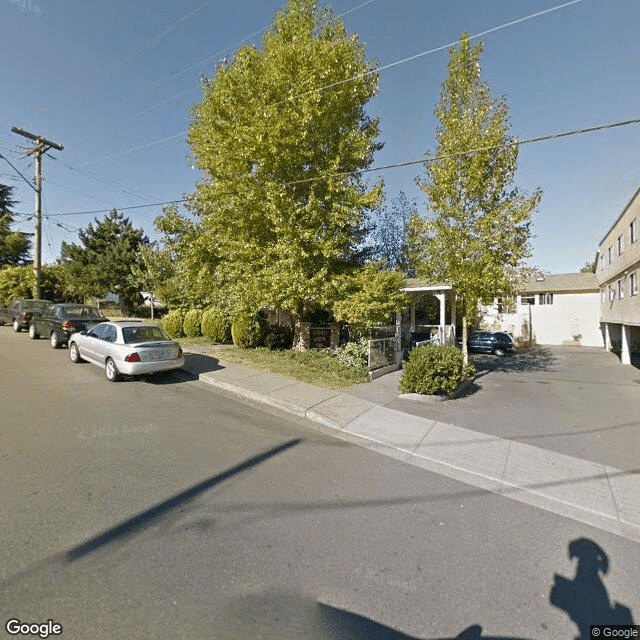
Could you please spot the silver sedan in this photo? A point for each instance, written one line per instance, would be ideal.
(126, 348)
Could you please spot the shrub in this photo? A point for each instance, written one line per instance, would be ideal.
(248, 330)
(278, 337)
(354, 354)
(215, 325)
(434, 369)
(172, 323)
(191, 323)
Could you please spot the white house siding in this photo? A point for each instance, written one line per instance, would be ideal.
(570, 315)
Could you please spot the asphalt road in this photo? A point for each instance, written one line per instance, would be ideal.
(166, 509)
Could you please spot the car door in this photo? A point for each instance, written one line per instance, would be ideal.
(102, 346)
(89, 345)
(43, 323)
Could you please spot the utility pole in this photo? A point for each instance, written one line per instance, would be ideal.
(42, 146)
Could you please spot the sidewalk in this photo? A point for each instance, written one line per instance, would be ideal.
(589, 492)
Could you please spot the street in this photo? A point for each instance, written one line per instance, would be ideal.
(163, 508)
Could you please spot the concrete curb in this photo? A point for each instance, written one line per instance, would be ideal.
(590, 493)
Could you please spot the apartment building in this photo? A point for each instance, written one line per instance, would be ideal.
(618, 274)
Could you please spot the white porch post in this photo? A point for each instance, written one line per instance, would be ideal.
(453, 313)
(625, 354)
(398, 338)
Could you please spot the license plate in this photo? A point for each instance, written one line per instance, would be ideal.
(163, 354)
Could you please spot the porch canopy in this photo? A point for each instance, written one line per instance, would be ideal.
(446, 331)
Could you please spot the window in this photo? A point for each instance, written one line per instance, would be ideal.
(507, 304)
(620, 245)
(601, 262)
(621, 288)
(603, 295)
(527, 299)
(633, 228)
(545, 298)
(633, 283)
(610, 254)
(612, 293)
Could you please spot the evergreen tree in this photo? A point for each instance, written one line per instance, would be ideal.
(282, 204)
(15, 246)
(103, 261)
(392, 226)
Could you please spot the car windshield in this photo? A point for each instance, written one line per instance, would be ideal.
(83, 312)
(143, 334)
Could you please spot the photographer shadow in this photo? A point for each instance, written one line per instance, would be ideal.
(585, 598)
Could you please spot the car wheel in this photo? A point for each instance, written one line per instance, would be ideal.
(33, 334)
(55, 343)
(74, 353)
(111, 371)
(500, 352)
(16, 326)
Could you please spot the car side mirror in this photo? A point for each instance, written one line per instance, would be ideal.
(83, 332)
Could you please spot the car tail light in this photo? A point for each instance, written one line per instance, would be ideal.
(132, 357)
(180, 352)
(67, 325)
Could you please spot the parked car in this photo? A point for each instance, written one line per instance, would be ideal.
(20, 312)
(498, 343)
(126, 348)
(59, 321)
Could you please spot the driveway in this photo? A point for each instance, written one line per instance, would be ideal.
(577, 401)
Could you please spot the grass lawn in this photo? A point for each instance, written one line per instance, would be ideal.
(315, 367)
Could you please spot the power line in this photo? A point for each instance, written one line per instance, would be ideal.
(421, 54)
(397, 165)
(353, 78)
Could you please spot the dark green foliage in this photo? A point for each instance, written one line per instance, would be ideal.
(103, 262)
(249, 330)
(215, 325)
(279, 337)
(14, 245)
(173, 322)
(434, 369)
(191, 323)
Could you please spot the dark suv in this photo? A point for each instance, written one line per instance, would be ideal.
(20, 312)
(59, 321)
(497, 342)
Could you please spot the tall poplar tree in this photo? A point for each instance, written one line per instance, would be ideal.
(478, 227)
(282, 135)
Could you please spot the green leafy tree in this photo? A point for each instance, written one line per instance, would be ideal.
(282, 205)
(372, 296)
(478, 230)
(15, 246)
(15, 282)
(103, 262)
(589, 267)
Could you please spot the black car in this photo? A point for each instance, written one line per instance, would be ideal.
(59, 321)
(20, 312)
(498, 343)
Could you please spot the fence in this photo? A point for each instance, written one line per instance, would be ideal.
(383, 356)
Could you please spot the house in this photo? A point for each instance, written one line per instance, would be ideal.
(551, 309)
(618, 272)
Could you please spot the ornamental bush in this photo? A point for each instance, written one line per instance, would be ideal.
(434, 369)
(249, 330)
(215, 325)
(191, 323)
(354, 354)
(172, 323)
(279, 337)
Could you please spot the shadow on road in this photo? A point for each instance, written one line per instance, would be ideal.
(145, 519)
(195, 364)
(527, 360)
(585, 598)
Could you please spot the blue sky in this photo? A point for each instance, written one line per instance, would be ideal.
(113, 82)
